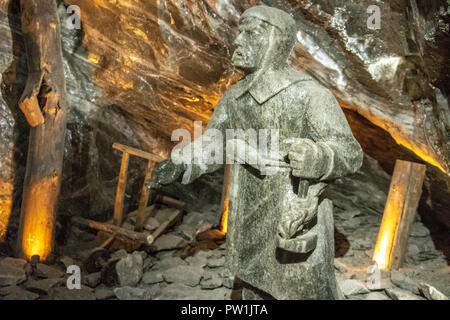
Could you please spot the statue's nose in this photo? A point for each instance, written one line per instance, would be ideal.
(239, 40)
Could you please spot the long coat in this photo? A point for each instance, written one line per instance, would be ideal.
(298, 107)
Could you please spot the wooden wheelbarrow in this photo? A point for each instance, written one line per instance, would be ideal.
(130, 238)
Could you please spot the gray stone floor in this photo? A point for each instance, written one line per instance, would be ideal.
(160, 276)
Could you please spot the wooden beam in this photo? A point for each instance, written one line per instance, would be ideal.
(411, 174)
(166, 224)
(145, 193)
(399, 213)
(121, 186)
(45, 105)
(139, 153)
(112, 229)
(171, 202)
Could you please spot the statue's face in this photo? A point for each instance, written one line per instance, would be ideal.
(251, 44)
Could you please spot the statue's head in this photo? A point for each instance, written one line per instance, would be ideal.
(266, 38)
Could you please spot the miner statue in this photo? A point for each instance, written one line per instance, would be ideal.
(280, 225)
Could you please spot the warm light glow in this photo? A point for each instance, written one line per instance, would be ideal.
(421, 153)
(224, 221)
(37, 233)
(93, 58)
(387, 235)
(381, 253)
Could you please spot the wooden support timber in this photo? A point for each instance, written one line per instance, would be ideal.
(45, 105)
(145, 194)
(399, 213)
(112, 229)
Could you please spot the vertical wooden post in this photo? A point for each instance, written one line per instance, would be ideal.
(399, 213)
(145, 193)
(121, 186)
(45, 105)
(225, 198)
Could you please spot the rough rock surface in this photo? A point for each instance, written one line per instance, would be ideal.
(12, 272)
(62, 293)
(17, 293)
(130, 269)
(351, 287)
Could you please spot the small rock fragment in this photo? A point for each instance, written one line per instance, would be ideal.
(63, 293)
(129, 269)
(104, 294)
(376, 296)
(216, 262)
(42, 286)
(119, 254)
(17, 293)
(152, 277)
(419, 230)
(169, 263)
(404, 282)
(351, 287)
(48, 272)
(212, 283)
(400, 294)
(92, 280)
(129, 293)
(169, 242)
(12, 272)
(431, 293)
(186, 275)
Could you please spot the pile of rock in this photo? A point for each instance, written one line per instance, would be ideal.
(164, 276)
(19, 281)
(425, 274)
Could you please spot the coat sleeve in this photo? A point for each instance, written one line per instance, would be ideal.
(329, 128)
(207, 152)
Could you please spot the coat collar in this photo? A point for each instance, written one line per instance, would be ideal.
(269, 84)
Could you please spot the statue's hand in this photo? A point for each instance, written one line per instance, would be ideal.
(164, 173)
(298, 213)
(292, 224)
(241, 152)
(307, 159)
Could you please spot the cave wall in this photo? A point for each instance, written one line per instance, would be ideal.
(137, 70)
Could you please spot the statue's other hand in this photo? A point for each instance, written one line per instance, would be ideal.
(298, 213)
(289, 226)
(307, 159)
(164, 173)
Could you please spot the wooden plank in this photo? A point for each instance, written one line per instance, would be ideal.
(121, 185)
(45, 105)
(145, 193)
(414, 181)
(401, 205)
(112, 229)
(139, 153)
(171, 202)
(151, 238)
